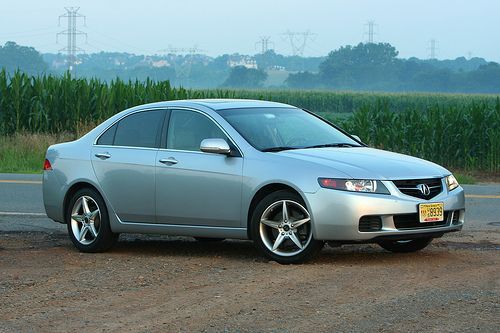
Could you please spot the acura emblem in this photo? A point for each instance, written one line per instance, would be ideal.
(424, 188)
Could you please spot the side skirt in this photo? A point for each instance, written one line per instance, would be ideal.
(179, 230)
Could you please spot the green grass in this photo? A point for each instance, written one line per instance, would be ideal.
(465, 179)
(25, 153)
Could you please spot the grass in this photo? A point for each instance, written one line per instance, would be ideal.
(465, 179)
(25, 153)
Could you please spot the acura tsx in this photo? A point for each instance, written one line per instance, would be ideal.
(276, 174)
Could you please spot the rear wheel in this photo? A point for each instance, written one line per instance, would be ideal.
(406, 246)
(88, 222)
(281, 228)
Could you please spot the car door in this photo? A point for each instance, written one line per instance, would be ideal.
(193, 187)
(124, 163)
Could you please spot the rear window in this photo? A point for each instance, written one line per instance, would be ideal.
(108, 137)
(137, 130)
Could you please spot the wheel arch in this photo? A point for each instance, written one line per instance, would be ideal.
(75, 188)
(261, 194)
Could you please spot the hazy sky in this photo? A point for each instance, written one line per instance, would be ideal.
(461, 27)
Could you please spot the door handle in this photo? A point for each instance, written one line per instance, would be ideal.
(103, 156)
(168, 161)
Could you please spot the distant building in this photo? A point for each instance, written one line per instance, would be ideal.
(160, 63)
(243, 61)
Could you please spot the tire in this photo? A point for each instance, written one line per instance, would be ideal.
(208, 239)
(88, 222)
(406, 246)
(274, 233)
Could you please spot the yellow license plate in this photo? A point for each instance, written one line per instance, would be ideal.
(431, 212)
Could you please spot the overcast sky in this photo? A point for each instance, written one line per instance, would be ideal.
(460, 27)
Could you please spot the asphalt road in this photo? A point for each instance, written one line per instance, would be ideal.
(21, 206)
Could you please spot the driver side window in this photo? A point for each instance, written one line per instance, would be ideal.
(186, 130)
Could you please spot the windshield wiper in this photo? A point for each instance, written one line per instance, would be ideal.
(336, 145)
(277, 149)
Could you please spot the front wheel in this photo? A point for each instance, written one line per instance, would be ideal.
(281, 228)
(88, 222)
(406, 246)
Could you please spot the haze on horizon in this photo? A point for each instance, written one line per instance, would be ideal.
(461, 28)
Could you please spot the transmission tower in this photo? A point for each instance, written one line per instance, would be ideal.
(72, 33)
(298, 41)
(432, 49)
(181, 50)
(370, 31)
(183, 72)
(265, 43)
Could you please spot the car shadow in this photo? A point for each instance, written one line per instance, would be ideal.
(244, 250)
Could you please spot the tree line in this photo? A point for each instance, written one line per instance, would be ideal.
(363, 67)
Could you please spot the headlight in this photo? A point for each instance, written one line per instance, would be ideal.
(354, 185)
(451, 182)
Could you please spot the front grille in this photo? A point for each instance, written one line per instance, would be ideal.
(411, 221)
(370, 223)
(411, 187)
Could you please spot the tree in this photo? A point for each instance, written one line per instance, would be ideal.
(26, 59)
(242, 77)
(364, 66)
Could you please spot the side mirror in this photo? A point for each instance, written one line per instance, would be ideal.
(215, 146)
(356, 137)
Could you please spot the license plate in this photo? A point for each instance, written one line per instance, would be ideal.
(431, 212)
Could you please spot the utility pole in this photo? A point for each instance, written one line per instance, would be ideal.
(370, 31)
(71, 32)
(432, 49)
(265, 42)
(298, 41)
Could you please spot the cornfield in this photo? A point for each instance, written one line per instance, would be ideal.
(460, 131)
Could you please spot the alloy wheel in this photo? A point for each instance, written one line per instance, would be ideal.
(285, 228)
(85, 220)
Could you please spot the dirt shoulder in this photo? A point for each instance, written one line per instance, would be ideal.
(152, 283)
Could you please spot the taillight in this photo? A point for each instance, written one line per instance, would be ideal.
(46, 165)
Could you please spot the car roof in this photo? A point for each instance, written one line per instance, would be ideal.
(219, 104)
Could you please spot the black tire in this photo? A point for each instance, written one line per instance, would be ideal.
(208, 239)
(311, 247)
(406, 246)
(105, 238)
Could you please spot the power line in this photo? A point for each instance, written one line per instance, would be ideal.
(71, 48)
(370, 31)
(298, 41)
(183, 72)
(432, 49)
(264, 42)
(181, 50)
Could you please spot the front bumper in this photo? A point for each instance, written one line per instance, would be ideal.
(336, 214)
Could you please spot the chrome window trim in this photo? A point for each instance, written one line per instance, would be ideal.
(126, 147)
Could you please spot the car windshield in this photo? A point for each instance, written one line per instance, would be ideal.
(277, 129)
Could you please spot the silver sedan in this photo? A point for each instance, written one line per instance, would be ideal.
(215, 169)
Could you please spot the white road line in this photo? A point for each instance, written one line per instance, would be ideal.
(482, 196)
(21, 214)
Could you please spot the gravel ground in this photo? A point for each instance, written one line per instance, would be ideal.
(159, 283)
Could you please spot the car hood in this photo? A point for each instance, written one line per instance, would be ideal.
(369, 163)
